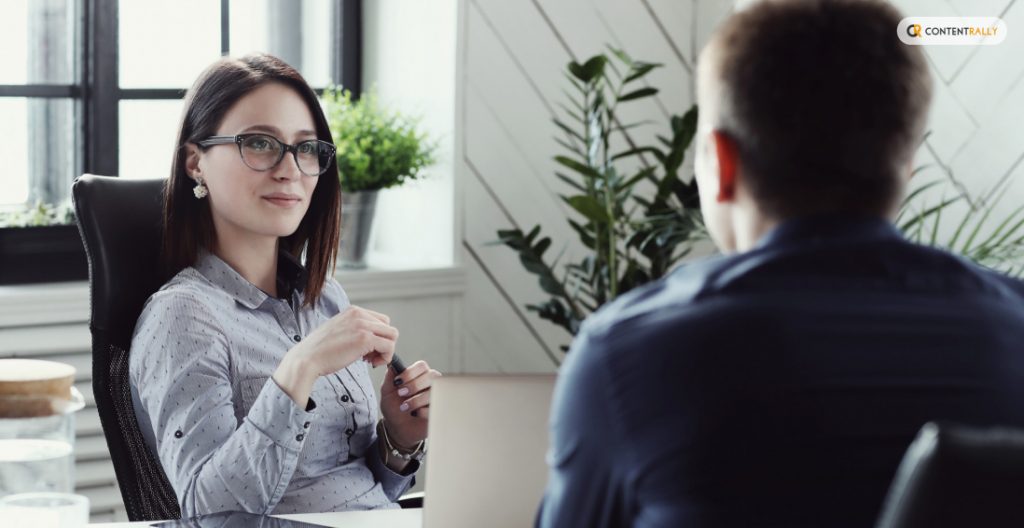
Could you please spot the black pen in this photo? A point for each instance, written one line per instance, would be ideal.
(399, 367)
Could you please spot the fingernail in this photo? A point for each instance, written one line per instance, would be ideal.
(404, 407)
(414, 413)
(398, 381)
(403, 391)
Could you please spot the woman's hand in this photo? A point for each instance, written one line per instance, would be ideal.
(354, 334)
(406, 405)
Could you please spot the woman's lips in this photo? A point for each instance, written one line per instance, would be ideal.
(282, 202)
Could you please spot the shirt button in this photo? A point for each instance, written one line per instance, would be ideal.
(178, 434)
(297, 338)
(305, 425)
(300, 437)
(344, 398)
(348, 432)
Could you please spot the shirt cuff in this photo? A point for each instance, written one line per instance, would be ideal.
(393, 483)
(278, 417)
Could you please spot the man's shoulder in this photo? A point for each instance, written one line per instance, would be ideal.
(671, 304)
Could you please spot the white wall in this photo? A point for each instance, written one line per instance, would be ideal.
(976, 140)
(409, 56)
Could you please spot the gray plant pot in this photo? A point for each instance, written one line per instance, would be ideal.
(357, 211)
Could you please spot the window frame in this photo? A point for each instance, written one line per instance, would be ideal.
(96, 94)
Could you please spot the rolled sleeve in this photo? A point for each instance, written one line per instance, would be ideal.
(277, 416)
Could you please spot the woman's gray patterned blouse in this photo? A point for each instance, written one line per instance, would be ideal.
(227, 436)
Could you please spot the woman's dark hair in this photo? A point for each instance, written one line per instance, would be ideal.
(188, 224)
(826, 104)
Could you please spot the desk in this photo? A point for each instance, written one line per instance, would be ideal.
(397, 518)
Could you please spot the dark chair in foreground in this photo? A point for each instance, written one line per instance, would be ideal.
(120, 223)
(958, 476)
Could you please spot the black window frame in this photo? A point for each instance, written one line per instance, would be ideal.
(97, 95)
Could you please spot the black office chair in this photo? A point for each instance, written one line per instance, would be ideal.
(958, 476)
(120, 223)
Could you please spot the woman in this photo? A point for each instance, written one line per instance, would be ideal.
(245, 366)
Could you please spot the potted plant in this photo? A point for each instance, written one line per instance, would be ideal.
(378, 148)
(630, 238)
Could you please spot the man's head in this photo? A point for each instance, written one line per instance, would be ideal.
(806, 106)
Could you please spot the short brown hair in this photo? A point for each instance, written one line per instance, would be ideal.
(188, 225)
(826, 104)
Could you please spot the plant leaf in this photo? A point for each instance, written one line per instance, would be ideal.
(639, 71)
(589, 207)
(578, 167)
(637, 94)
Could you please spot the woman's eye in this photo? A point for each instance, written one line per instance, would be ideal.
(307, 148)
(259, 144)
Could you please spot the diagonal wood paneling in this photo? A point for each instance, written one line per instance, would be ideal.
(979, 103)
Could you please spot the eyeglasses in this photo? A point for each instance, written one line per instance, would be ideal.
(261, 152)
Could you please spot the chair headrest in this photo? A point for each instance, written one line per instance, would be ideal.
(954, 474)
(120, 220)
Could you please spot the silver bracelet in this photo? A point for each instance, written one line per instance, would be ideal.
(416, 454)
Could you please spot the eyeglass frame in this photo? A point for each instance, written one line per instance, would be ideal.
(285, 148)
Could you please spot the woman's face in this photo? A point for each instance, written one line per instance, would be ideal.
(250, 204)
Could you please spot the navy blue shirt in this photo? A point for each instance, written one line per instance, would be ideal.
(780, 386)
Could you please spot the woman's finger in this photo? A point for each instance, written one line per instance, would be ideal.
(411, 372)
(415, 403)
(376, 315)
(419, 384)
(378, 328)
(381, 351)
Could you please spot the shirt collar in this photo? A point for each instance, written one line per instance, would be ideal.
(291, 277)
(828, 228)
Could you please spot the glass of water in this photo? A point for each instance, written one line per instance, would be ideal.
(45, 510)
(37, 451)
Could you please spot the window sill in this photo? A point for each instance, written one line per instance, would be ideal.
(68, 302)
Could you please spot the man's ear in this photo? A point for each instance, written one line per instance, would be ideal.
(728, 165)
(192, 167)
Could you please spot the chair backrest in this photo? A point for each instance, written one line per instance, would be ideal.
(120, 223)
(958, 476)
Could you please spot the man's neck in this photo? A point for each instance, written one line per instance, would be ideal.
(749, 226)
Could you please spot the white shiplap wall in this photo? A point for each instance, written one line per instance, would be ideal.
(512, 56)
(51, 322)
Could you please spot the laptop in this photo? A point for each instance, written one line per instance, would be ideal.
(485, 464)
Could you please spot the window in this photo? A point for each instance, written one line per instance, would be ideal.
(38, 92)
(150, 105)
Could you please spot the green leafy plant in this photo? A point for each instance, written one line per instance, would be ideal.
(630, 238)
(378, 148)
(41, 214)
(977, 235)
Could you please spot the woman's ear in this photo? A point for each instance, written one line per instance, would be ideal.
(192, 158)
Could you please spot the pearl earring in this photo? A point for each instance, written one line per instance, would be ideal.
(200, 189)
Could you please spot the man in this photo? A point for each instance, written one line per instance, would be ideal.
(779, 384)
